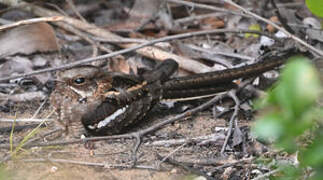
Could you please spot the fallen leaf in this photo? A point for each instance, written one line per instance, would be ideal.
(28, 39)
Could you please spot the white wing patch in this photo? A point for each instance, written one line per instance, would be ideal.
(108, 119)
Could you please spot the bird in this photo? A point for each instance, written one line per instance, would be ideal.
(107, 103)
(87, 96)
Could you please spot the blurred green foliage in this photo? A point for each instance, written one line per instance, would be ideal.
(4, 175)
(294, 113)
(315, 6)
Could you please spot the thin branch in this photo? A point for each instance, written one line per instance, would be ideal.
(39, 108)
(203, 6)
(84, 163)
(282, 20)
(233, 117)
(31, 21)
(196, 17)
(72, 6)
(170, 154)
(184, 166)
(264, 176)
(26, 120)
(197, 140)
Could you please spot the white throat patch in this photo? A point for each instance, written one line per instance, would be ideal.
(83, 94)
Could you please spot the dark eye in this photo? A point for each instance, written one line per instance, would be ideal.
(79, 80)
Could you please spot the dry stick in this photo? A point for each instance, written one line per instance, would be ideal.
(90, 40)
(104, 165)
(197, 17)
(31, 21)
(217, 161)
(39, 108)
(136, 47)
(28, 120)
(232, 94)
(248, 160)
(8, 129)
(123, 40)
(198, 140)
(297, 39)
(186, 167)
(83, 36)
(203, 6)
(219, 52)
(264, 176)
(170, 154)
(72, 6)
(25, 96)
(281, 19)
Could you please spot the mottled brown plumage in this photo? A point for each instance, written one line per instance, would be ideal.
(105, 102)
(78, 91)
(110, 103)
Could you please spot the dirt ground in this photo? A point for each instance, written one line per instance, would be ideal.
(111, 159)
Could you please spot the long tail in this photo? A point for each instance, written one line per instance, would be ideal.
(219, 81)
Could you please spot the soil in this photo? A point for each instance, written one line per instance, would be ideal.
(112, 159)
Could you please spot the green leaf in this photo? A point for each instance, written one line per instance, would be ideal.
(315, 6)
(268, 128)
(255, 27)
(313, 155)
(300, 86)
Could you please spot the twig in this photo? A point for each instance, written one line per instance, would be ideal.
(31, 21)
(8, 129)
(8, 85)
(297, 39)
(123, 40)
(217, 52)
(104, 165)
(199, 139)
(27, 120)
(197, 17)
(267, 174)
(83, 36)
(135, 149)
(203, 6)
(72, 6)
(282, 20)
(248, 160)
(170, 154)
(26, 96)
(233, 119)
(184, 166)
(39, 108)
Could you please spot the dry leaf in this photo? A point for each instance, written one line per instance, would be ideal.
(271, 28)
(212, 23)
(28, 39)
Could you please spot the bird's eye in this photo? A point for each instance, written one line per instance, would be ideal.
(79, 80)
